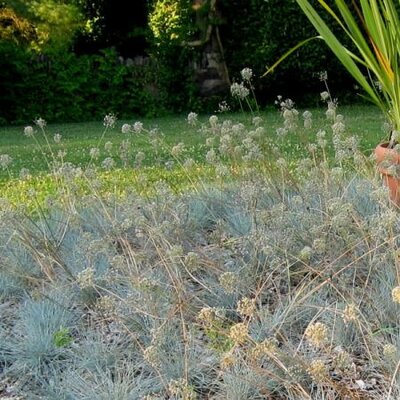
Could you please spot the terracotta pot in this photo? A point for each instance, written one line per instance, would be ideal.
(386, 159)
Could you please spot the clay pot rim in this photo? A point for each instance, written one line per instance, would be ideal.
(382, 153)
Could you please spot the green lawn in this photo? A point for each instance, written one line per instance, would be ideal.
(78, 138)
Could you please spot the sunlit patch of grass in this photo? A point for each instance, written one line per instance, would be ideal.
(39, 190)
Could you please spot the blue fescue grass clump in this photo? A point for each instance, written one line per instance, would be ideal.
(238, 292)
(277, 279)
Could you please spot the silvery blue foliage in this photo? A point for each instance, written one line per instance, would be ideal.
(30, 348)
(106, 302)
(242, 383)
(123, 382)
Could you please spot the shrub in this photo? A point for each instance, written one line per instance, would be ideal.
(76, 88)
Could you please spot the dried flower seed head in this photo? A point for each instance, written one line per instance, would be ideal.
(228, 281)
(312, 147)
(211, 156)
(175, 251)
(94, 153)
(324, 96)
(295, 373)
(138, 127)
(237, 129)
(332, 105)
(192, 261)
(61, 154)
(57, 138)
(350, 314)
(281, 132)
(396, 294)
(223, 106)
(189, 163)
(28, 131)
(109, 120)
(323, 76)
(207, 315)
(259, 132)
(192, 118)
(341, 359)
(139, 158)
(85, 279)
(5, 161)
(338, 128)
(287, 113)
(317, 334)
(306, 253)
(108, 163)
(213, 120)
(147, 284)
(228, 360)
(118, 262)
(41, 123)
(389, 351)
(239, 90)
(321, 134)
(221, 170)
(318, 371)
(178, 149)
(287, 104)
(239, 333)
(24, 173)
(107, 306)
(266, 348)
(257, 121)
(108, 146)
(126, 128)
(246, 307)
(247, 74)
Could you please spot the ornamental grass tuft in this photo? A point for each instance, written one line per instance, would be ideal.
(271, 277)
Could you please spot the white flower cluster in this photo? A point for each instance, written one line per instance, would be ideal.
(109, 120)
(239, 90)
(5, 161)
(192, 118)
(247, 74)
(29, 131)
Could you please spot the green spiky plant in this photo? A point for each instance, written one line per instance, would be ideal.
(373, 27)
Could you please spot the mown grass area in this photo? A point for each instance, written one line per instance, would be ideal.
(78, 138)
(281, 285)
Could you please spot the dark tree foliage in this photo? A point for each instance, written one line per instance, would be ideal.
(115, 23)
(85, 75)
(257, 32)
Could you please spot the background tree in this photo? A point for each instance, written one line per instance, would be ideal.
(54, 22)
(111, 23)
